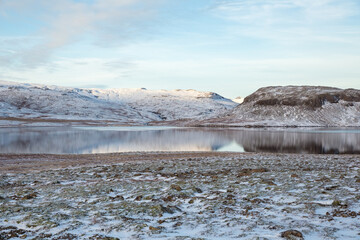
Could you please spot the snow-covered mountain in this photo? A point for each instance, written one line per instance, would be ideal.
(294, 106)
(238, 100)
(120, 106)
(269, 106)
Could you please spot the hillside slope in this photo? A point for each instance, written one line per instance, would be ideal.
(122, 106)
(294, 106)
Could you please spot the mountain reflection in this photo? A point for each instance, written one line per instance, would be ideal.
(105, 140)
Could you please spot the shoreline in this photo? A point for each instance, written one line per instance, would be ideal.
(23, 163)
(55, 122)
(20, 163)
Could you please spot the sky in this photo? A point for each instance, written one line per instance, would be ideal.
(231, 47)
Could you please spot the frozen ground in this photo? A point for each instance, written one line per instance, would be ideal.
(179, 196)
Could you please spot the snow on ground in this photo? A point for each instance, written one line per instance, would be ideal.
(244, 196)
(127, 106)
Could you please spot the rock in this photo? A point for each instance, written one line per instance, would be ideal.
(176, 187)
(138, 198)
(153, 228)
(178, 224)
(243, 174)
(292, 235)
(198, 190)
(14, 233)
(169, 198)
(330, 188)
(58, 217)
(169, 209)
(29, 196)
(100, 237)
(118, 197)
(249, 171)
(161, 221)
(336, 203)
(43, 236)
(149, 198)
(67, 236)
(229, 197)
(268, 182)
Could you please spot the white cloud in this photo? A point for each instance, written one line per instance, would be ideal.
(292, 21)
(67, 21)
(69, 72)
(264, 12)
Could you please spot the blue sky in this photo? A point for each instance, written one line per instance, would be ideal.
(231, 47)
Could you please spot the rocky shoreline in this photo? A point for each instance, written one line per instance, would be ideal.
(180, 196)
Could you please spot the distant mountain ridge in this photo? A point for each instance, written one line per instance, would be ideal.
(121, 106)
(276, 106)
(290, 106)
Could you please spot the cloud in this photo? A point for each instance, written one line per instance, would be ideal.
(265, 12)
(292, 21)
(74, 72)
(106, 23)
(4, 77)
(118, 64)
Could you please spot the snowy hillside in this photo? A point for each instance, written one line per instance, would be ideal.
(123, 106)
(294, 106)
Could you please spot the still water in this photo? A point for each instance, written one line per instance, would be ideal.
(66, 140)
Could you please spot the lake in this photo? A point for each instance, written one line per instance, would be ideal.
(81, 140)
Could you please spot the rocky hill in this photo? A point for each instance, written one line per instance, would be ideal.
(289, 106)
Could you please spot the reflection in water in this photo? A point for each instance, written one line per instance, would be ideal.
(300, 142)
(104, 140)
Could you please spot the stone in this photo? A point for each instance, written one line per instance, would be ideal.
(176, 187)
(292, 235)
(153, 228)
(198, 190)
(336, 203)
(29, 196)
(138, 198)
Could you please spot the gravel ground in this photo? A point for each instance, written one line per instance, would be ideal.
(180, 196)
